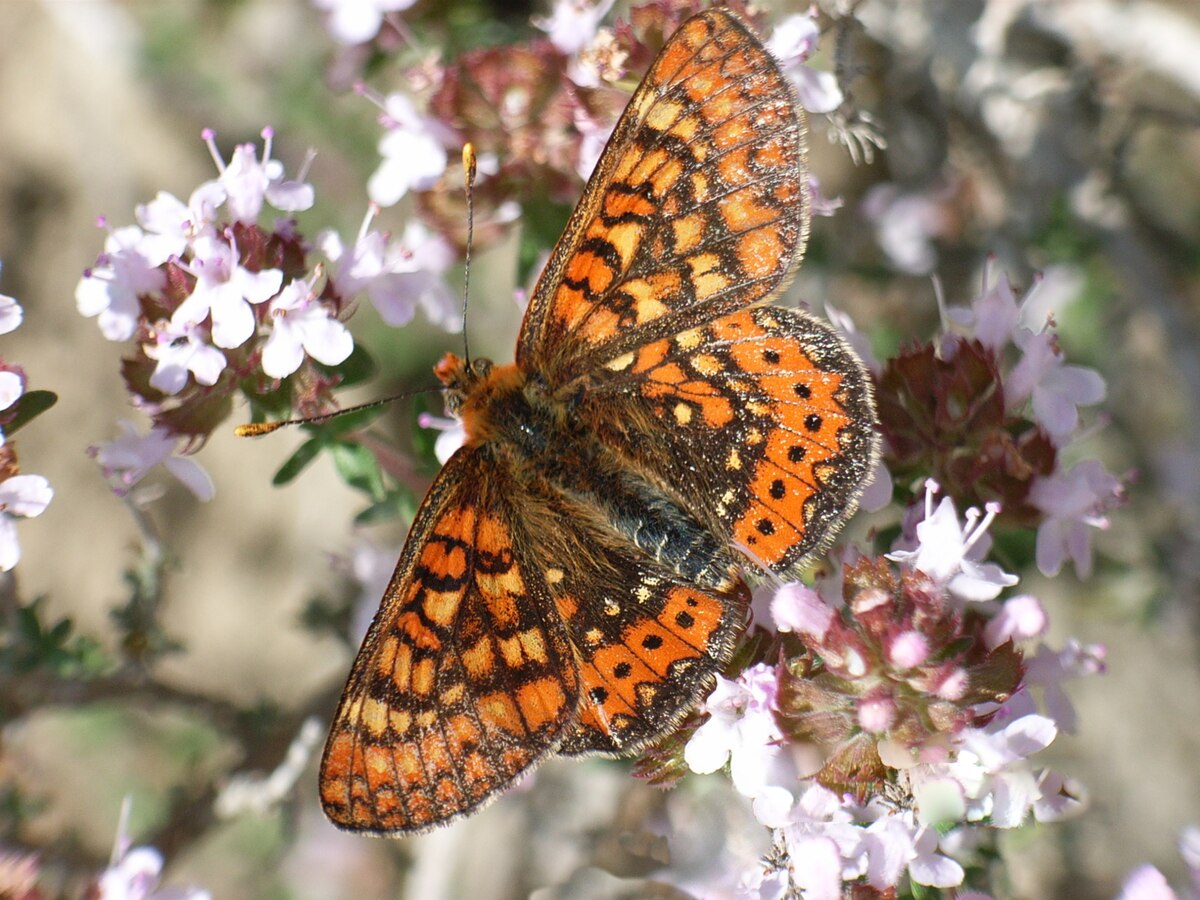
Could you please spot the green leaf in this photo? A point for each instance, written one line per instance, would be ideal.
(30, 405)
(298, 461)
(359, 468)
(398, 504)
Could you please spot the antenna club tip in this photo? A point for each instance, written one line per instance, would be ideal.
(468, 157)
(256, 429)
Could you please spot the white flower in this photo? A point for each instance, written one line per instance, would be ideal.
(945, 547)
(397, 275)
(452, 435)
(11, 314)
(21, 497)
(225, 291)
(135, 872)
(12, 386)
(413, 151)
(248, 181)
(130, 457)
(741, 729)
(793, 40)
(180, 350)
(572, 24)
(301, 324)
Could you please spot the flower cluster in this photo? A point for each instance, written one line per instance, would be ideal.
(217, 305)
(21, 496)
(538, 113)
(990, 411)
(903, 673)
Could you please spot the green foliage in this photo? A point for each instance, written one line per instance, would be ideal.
(31, 641)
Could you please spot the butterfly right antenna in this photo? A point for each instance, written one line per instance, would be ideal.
(468, 159)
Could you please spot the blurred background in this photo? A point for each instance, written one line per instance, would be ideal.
(1059, 135)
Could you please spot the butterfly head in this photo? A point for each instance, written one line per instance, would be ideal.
(460, 377)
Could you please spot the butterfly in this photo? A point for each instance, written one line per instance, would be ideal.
(573, 580)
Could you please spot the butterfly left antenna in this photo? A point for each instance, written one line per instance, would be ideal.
(468, 159)
(257, 429)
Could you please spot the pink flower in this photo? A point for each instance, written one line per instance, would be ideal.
(111, 288)
(1146, 883)
(1057, 389)
(248, 181)
(180, 350)
(21, 497)
(301, 324)
(129, 458)
(797, 607)
(225, 291)
(1019, 619)
(397, 275)
(1073, 502)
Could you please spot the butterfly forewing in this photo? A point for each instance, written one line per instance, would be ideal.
(698, 206)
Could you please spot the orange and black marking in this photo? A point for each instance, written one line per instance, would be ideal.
(574, 579)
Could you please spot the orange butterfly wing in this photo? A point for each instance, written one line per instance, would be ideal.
(466, 677)
(697, 208)
(527, 614)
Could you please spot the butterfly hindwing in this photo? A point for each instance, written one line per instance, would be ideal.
(759, 421)
(697, 207)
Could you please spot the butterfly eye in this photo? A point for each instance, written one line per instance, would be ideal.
(480, 367)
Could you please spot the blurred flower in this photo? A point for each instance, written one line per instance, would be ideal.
(301, 324)
(1073, 502)
(1146, 883)
(906, 225)
(12, 386)
(572, 24)
(413, 150)
(792, 41)
(21, 497)
(129, 458)
(11, 314)
(602, 61)
(19, 872)
(1057, 389)
(396, 275)
(135, 872)
(357, 21)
